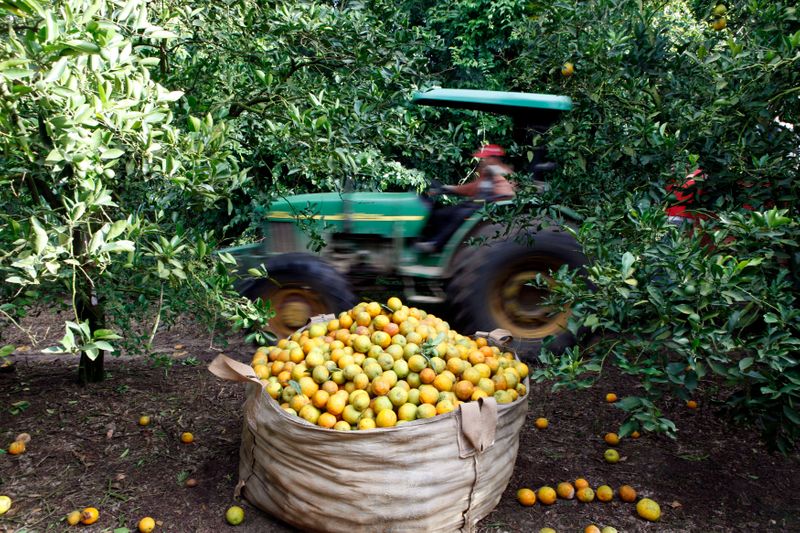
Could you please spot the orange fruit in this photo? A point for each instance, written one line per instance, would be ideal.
(526, 497)
(394, 303)
(627, 494)
(691, 404)
(635, 435)
(144, 420)
(541, 423)
(565, 490)
(234, 515)
(326, 420)
(16, 448)
(381, 386)
(581, 483)
(648, 509)
(547, 495)
(147, 525)
(604, 493)
(591, 528)
(187, 438)
(611, 397)
(568, 69)
(427, 375)
(464, 390)
(720, 24)
(74, 518)
(443, 383)
(611, 439)
(585, 495)
(89, 515)
(611, 456)
(386, 418)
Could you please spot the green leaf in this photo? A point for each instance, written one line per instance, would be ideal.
(83, 46)
(629, 403)
(112, 153)
(40, 236)
(105, 346)
(118, 246)
(17, 73)
(791, 414)
(627, 262)
(57, 70)
(116, 229)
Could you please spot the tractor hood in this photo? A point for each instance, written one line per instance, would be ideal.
(387, 214)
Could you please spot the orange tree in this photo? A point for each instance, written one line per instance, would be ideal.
(101, 190)
(663, 89)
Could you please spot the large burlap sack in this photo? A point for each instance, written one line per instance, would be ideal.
(439, 474)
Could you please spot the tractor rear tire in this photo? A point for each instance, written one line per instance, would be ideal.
(300, 286)
(491, 288)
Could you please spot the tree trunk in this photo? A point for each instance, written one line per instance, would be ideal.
(89, 308)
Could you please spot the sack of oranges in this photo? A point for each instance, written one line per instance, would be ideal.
(384, 417)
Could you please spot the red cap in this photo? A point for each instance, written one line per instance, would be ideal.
(489, 150)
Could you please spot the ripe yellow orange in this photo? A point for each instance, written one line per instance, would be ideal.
(526, 497)
(464, 390)
(147, 525)
(611, 397)
(541, 423)
(604, 493)
(585, 495)
(380, 386)
(591, 528)
(16, 448)
(234, 515)
(144, 420)
(568, 69)
(427, 375)
(89, 516)
(443, 383)
(187, 438)
(326, 420)
(74, 518)
(635, 435)
(394, 303)
(648, 509)
(581, 483)
(5, 504)
(565, 490)
(386, 418)
(611, 439)
(546, 495)
(627, 494)
(720, 23)
(691, 404)
(611, 456)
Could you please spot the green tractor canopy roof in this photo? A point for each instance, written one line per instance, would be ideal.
(529, 110)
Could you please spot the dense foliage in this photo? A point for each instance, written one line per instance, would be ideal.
(138, 136)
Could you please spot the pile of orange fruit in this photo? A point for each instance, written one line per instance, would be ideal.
(379, 365)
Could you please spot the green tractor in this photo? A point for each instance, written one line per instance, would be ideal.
(485, 277)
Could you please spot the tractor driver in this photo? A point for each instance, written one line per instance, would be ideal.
(491, 185)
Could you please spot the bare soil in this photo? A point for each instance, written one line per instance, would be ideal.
(87, 450)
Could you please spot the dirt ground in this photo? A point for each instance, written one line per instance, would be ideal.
(87, 450)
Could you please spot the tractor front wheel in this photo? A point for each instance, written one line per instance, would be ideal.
(300, 286)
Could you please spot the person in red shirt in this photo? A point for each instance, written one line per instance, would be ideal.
(491, 185)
